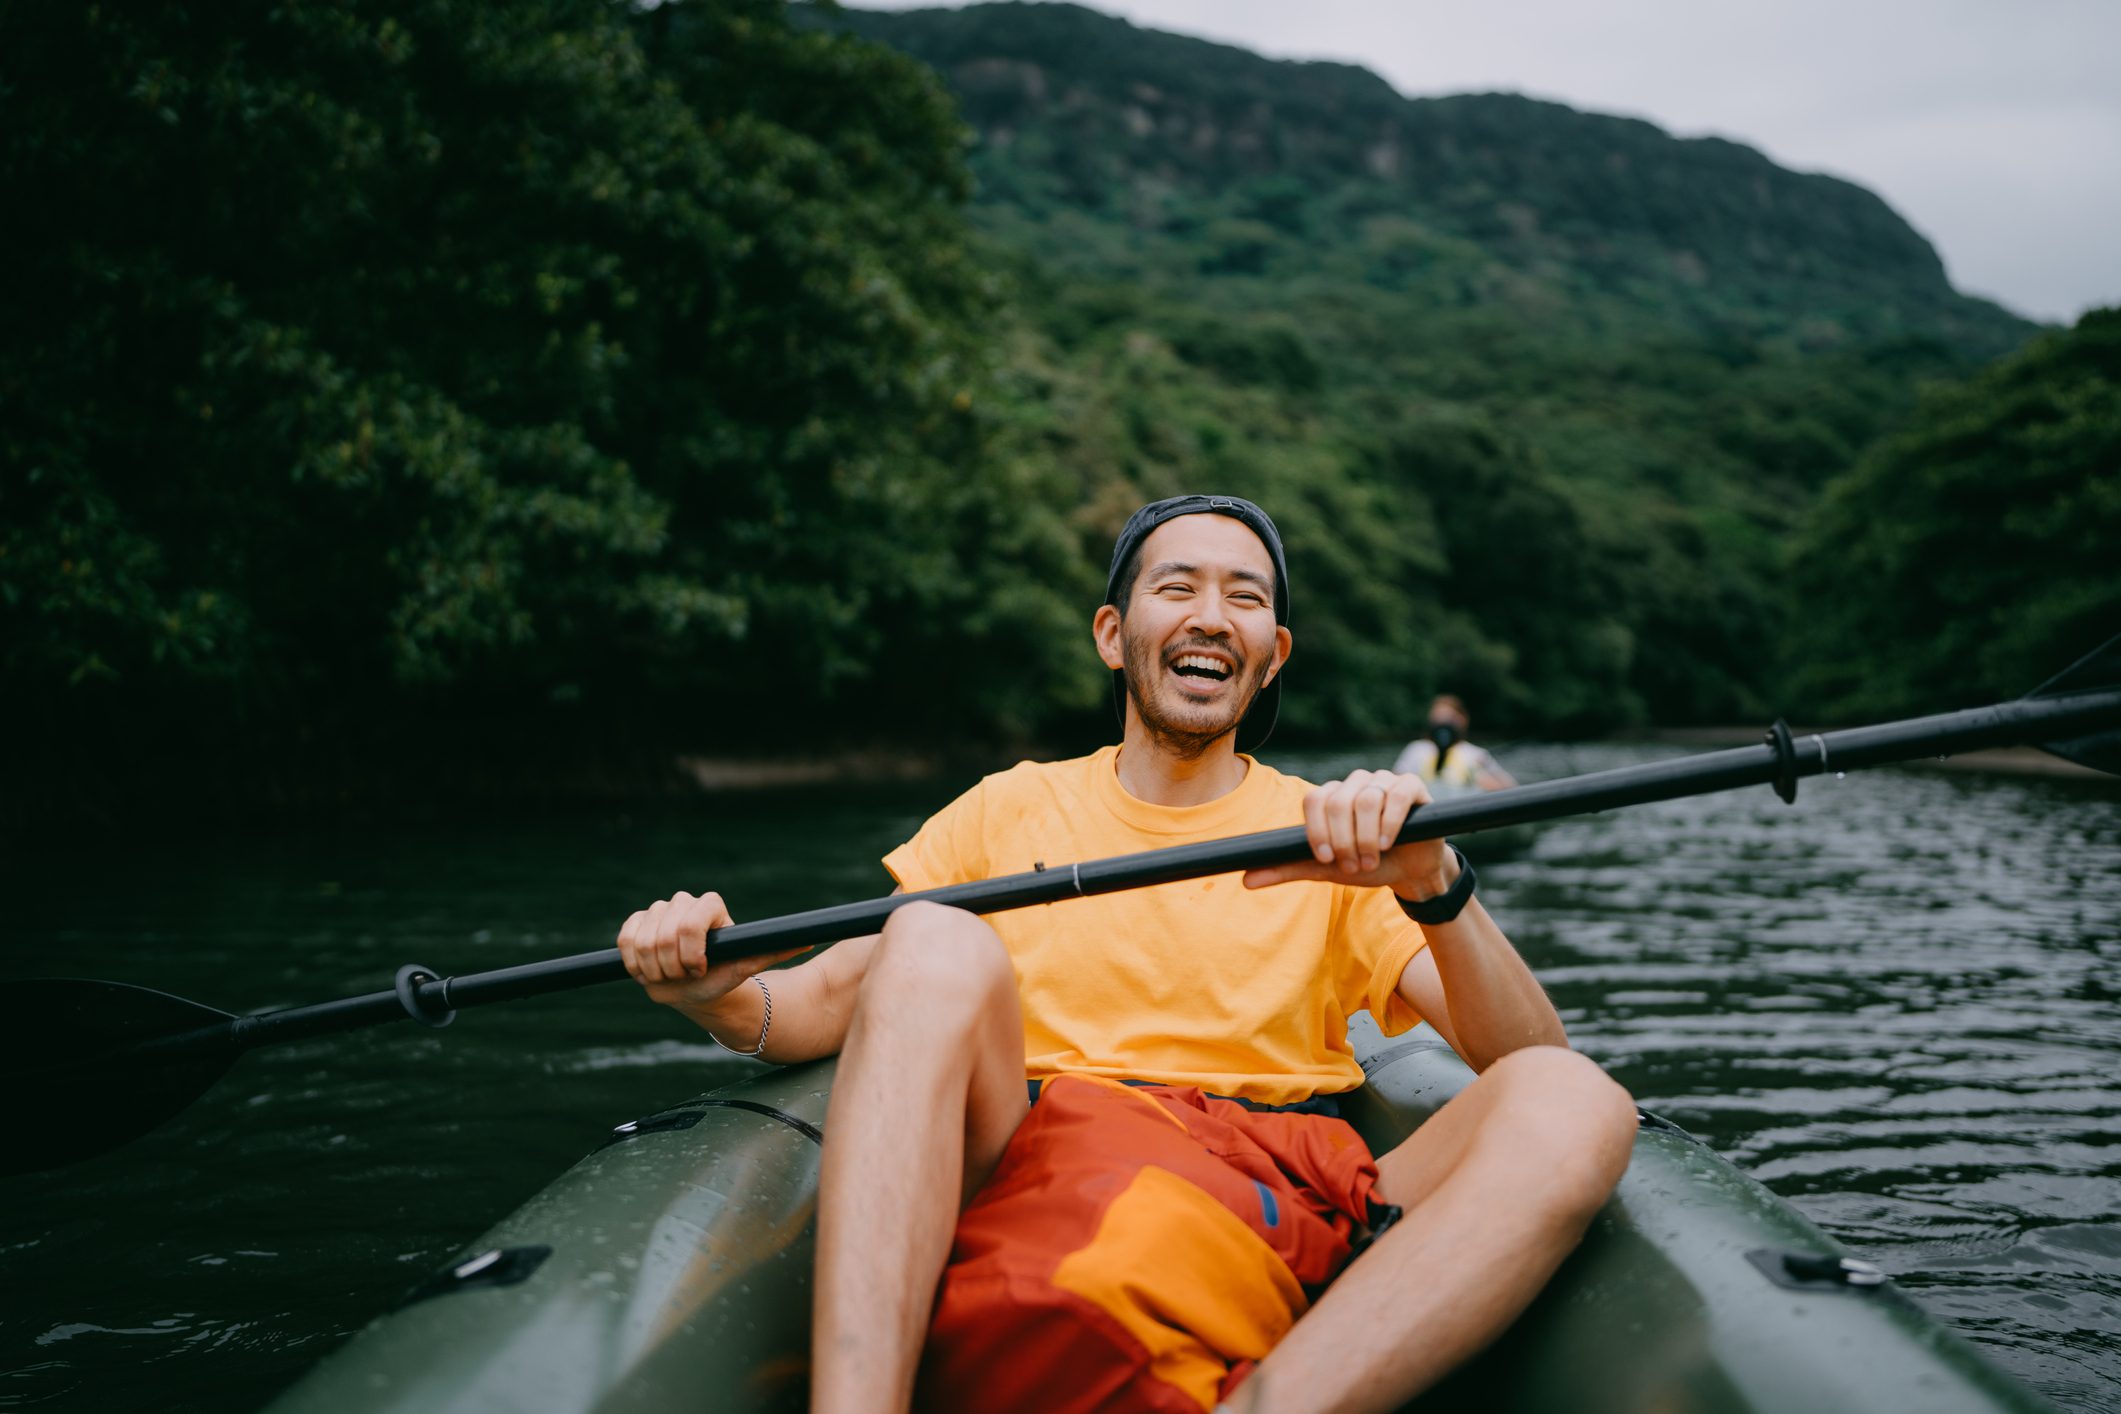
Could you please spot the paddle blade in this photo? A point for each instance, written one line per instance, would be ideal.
(2100, 668)
(77, 1079)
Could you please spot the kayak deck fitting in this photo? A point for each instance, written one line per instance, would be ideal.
(670, 1269)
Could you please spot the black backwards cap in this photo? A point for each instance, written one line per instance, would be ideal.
(1258, 723)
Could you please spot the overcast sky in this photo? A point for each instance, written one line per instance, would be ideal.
(1993, 127)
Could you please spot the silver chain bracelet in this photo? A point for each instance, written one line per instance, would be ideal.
(765, 1025)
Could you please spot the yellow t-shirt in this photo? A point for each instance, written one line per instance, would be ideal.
(1203, 982)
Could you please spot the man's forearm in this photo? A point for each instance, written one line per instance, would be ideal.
(1496, 1005)
(813, 1004)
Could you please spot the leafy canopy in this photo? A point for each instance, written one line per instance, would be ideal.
(370, 364)
(1971, 556)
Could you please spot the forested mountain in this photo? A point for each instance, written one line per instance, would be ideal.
(1261, 166)
(1973, 552)
(1561, 383)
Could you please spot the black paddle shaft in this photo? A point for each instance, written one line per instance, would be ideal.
(1781, 761)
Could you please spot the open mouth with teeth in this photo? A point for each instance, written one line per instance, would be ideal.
(1200, 670)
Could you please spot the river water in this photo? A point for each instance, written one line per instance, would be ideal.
(1894, 1004)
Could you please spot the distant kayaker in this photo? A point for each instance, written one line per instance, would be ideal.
(1447, 756)
(1117, 1238)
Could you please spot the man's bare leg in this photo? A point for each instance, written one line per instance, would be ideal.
(930, 1087)
(1498, 1186)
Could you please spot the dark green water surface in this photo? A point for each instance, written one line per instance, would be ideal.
(1895, 1004)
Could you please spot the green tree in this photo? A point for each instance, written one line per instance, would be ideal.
(1971, 555)
(1525, 574)
(372, 364)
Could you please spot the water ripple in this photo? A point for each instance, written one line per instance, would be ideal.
(1895, 1003)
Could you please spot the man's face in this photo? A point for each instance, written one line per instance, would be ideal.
(1198, 640)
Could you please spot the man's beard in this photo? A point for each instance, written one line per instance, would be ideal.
(1183, 738)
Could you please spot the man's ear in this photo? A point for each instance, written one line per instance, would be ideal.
(1284, 645)
(1105, 629)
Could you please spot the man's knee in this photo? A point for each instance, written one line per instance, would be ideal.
(1585, 1120)
(946, 962)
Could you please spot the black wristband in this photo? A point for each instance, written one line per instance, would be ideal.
(1447, 905)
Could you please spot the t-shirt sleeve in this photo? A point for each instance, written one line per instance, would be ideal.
(951, 848)
(1376, 943)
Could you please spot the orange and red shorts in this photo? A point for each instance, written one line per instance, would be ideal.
(1141, 1248)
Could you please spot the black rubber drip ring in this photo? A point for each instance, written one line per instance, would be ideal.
(407, 986)
(1778, 736)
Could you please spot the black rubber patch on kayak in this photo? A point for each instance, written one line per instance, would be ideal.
(1809, 1271)
(502, 1266)
(1659, 1124)
(666, 1122)
(801, 1126)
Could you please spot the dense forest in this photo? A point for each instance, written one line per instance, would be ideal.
(560, 385)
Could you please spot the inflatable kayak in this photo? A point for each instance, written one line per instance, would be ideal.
(670, 1270)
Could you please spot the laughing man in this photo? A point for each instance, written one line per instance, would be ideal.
(1114, 1235)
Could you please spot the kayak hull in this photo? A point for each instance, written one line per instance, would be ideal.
(1664, 1305)
(675, 1274)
